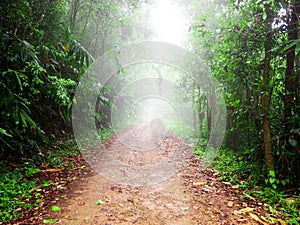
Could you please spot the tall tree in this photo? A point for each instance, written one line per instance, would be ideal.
(266, 90)
(292, 30)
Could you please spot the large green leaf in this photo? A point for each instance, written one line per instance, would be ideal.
(291, 44)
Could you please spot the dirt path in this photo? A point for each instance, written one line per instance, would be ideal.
(191, 195)
(171, 202)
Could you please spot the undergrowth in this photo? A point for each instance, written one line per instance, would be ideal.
(17, 180)
(187, 132)
(15, 186)
(17, 177)
(105, 133)
(246, 175)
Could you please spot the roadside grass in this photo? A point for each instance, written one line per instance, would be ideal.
(235, 167)
(182, 130)
(105, 133)
(18, 180)
(15, 195)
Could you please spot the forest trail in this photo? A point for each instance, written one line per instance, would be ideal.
(193, 195)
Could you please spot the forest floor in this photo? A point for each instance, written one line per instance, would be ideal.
(191, 194)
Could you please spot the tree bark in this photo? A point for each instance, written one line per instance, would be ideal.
(289, 72)
(265, 93)
(73, 13)
(200, 108)
(196, 131)
(87, 20)
(211, 117)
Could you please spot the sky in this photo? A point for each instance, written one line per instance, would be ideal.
(169, 24)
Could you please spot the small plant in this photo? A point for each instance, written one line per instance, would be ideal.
(50, 221)
(99, 202)
(17, 184)
(280, 203)
(31, 171)
(275, 182)
(55, 208)
(15, 191)
(199, 152)
(234, 167)
(185, 132)
(271, 180)
(105, 133)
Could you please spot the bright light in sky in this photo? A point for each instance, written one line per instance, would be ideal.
(168, 22)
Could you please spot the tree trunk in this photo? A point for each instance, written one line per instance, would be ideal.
(211, 118)
(289, 72)
(73, 13)
(86, 20)
(288, 85)
(298, 87)
(265, 93)
(200, 108)
(196, 131)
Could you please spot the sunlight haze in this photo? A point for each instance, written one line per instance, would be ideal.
(168, 21)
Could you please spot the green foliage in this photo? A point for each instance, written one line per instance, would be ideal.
(274, 182)
(15, 191)
(50, 221)
(201, 145)
(234, 48)
(105, 133)
(55, 155)
(182, 130)
(39, 71)
(280, 203)
(199, 152)
(294, 140)
(16, 184)
(237, 169)
(106, 23)
(99, 202)
(55, 208)
(31, 171)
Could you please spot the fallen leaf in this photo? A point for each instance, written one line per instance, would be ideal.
(59, 187)
(282, 222)
(230, 204)
(290, 200)
(248, 196)
(80, 203)
(51, 170)
(255, 217)
(184, 208)
(242, 211)
(206, 190)
(200, 183)
(216, 174)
